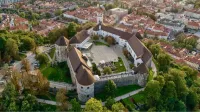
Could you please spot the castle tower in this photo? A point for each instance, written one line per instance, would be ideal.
(85, 84)
(61, 46)
(81, 75)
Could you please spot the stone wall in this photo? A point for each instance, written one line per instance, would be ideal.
(122, 79)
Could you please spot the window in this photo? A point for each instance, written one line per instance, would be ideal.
(81, 87)
(88, 87)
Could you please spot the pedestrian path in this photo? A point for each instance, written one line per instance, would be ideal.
(47, 101)
(103, 103)
(62, 85)
(122, 96)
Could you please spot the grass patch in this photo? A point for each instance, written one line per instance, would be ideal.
(52, 52)
(98, 43)
(119, 66)
(120, 91)
(139, 99)
(58, 72)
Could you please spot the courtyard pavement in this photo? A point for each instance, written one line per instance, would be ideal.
(104, 53)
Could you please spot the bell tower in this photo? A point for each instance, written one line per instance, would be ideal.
(99, 18)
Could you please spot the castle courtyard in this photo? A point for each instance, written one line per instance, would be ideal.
(102, 54)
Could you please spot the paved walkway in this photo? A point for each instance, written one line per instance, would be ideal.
(47, 101)
(103, 103)
(62, 85)
(122, 97)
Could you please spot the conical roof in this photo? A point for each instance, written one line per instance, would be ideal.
(62, 41)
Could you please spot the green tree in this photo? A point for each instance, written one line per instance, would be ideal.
(109, 102)
(12, 107)
(61, 98)
(161, 80)
(72, 29)
(118, 107)
(9, 98)
(163, 61)
(180, 106)
(29, 103)
(42, 58)
(27, 44)
(153, 93)
(25, 106)
(76, 107)
(22, 14)
(110, 88)
(95, 69)
(93, 105)
(191, 100)
(169, 90)
(155, 50)
(12, 48)
(181, 87)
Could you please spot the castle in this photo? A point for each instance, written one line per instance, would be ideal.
(87, 83)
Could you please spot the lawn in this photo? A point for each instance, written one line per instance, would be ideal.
(120, 91)
(119, 66)
(98, 43)
(58, 72)
(139, 99)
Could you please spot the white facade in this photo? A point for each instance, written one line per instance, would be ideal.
(122, 43)
(81, 45)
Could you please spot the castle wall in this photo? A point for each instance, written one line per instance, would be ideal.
(72, 73)
(61, 53)
(121, 79)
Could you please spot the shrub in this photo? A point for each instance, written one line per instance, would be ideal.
(107, 70)
(42, 58)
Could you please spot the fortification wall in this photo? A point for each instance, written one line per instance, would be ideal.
(122, 79)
